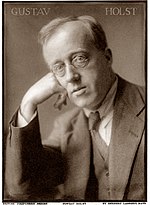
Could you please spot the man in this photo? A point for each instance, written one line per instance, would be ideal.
(78, 162)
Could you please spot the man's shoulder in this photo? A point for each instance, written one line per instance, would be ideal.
(132, 90)
(132, 94)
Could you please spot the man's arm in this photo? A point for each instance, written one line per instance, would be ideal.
(31, 168)
(40, 92)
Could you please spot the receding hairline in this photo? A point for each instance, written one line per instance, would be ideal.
(93, 27)
(63, 25)
(85, 31)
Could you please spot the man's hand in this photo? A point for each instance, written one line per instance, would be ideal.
(41, 91)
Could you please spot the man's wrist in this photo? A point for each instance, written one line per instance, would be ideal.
(27, 109)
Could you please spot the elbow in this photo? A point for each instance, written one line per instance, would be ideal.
(16, 189)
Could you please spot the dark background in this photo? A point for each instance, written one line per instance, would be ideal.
(24, 64)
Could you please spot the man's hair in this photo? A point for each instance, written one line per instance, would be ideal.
(95, 29)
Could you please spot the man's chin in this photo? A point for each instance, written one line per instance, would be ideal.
(80, 103)
(87, 105)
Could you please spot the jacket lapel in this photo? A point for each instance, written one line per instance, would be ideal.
(126, 135)
(78, 159)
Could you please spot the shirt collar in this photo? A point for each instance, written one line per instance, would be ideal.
(108, 103)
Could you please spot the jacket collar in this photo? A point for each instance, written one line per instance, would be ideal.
(126, 135)
(127, 131)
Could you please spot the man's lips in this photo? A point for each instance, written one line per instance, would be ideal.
(79, 91)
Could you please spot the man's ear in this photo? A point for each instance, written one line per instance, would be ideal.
(108, 55)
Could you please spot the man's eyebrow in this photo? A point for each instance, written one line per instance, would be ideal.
(71, 53)
(56, 62)
(80, 51)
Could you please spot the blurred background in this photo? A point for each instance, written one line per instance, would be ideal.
(24, 63)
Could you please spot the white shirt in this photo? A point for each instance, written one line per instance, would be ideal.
(106, 114)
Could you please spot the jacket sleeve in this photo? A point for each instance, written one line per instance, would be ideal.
(31, 168)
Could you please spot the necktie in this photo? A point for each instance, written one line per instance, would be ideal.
(94, 119)
(92, 186)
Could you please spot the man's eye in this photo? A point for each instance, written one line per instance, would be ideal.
(80, 61)
(59, 69)
(80, 58)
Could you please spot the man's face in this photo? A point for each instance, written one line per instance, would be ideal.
(82, 69)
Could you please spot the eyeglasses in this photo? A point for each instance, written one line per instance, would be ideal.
(79, 61)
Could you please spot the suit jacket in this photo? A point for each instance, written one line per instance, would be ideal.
(60, 169)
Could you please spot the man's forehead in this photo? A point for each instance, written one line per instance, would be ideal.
(72, 28)
(70, 38)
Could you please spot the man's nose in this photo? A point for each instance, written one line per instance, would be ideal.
(71, 73)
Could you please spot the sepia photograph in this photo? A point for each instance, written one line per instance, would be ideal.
(74, 101)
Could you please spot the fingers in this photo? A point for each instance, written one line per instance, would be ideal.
(61, 100)
(43, 89)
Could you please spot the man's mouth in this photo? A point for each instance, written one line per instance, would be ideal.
(79, 91)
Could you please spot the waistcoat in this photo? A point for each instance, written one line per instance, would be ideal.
(101, 165)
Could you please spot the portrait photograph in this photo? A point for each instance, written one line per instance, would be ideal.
(74, 101)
